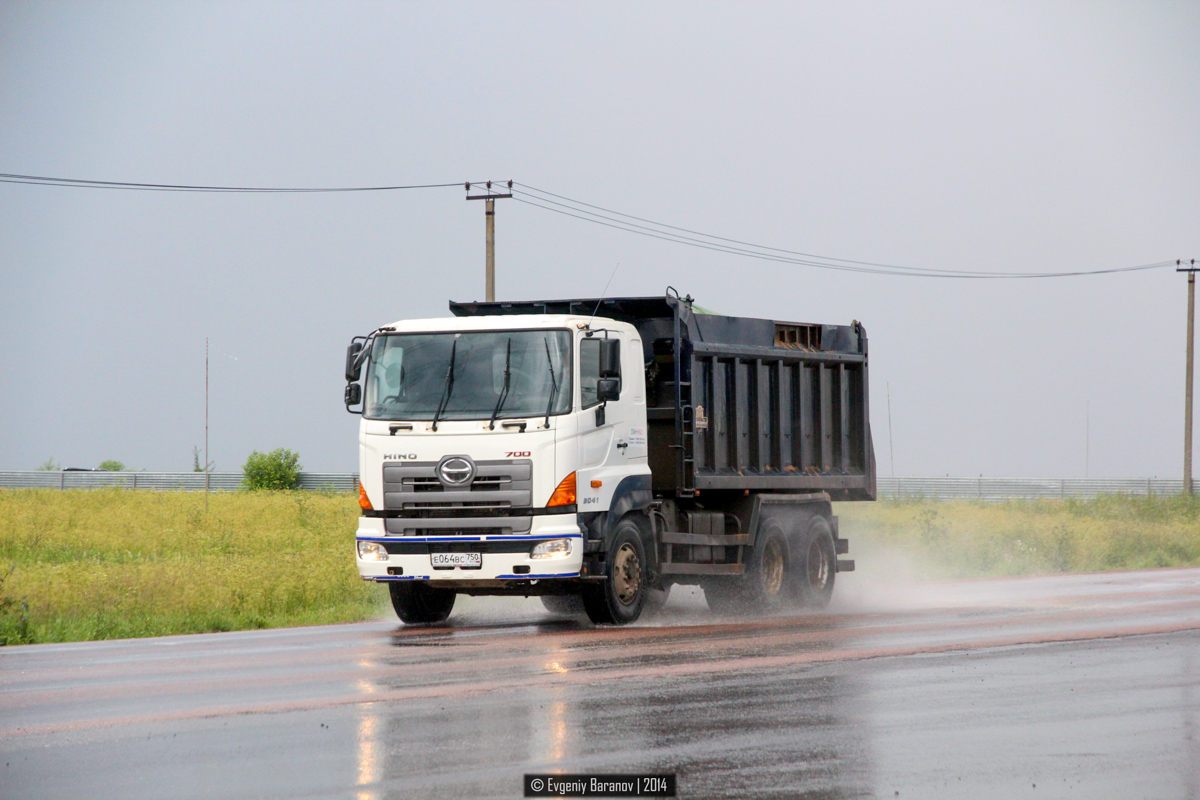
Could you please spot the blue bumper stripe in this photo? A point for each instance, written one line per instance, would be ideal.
(497, 538)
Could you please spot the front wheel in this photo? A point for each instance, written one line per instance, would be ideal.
(618, 600)
(419, 603)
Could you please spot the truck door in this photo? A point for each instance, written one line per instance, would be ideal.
(612, 432)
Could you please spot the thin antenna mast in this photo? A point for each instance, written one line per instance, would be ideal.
(604, 293)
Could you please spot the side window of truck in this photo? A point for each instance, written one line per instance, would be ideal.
(589, 372)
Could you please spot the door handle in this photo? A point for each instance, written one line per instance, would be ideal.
(622, 445)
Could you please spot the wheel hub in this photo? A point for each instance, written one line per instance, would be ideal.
(772, 568)
(627, 574)
(818, 566)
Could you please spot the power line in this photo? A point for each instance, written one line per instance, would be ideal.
(866, 267)
(599, 215)
(41, 180)
(708, 235)
(779, 255)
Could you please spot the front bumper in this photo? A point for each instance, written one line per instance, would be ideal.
(504, 557)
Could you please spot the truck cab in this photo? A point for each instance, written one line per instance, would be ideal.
(482, 442)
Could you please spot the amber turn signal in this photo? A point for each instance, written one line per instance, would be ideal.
(363, 500)
(564, 495)
(597, 484)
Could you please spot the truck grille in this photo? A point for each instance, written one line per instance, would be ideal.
(497, 485)
(458, 526)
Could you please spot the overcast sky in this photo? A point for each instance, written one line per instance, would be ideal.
(983, 136)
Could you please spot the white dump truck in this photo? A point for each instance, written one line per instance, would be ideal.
(596, 451)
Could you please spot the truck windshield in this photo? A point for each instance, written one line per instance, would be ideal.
(408, 377)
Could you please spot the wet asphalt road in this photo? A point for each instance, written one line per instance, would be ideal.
(1073, 686)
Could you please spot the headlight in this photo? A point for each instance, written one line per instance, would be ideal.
(372, 551)
(555, 548)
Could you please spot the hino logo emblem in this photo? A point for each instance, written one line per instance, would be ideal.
(456, 471)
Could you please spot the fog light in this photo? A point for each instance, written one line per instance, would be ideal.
(555, 548)
(372, 551)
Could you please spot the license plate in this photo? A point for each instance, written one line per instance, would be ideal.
(451, 560)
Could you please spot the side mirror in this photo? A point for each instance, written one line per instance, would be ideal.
(353, 368)
(353, 394)
(608, 389)
(610, 358)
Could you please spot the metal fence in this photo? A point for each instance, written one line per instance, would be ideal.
(930, 488)
(186, 481)
(1026, 488)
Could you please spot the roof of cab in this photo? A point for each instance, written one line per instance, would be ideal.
(500, 322)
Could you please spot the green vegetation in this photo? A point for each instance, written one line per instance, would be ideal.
(1022, 537)
(116, 563)
(278, 469)
(112, 465)
(49, 465)
(14, 617)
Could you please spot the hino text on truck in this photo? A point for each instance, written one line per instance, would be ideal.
(593, 452)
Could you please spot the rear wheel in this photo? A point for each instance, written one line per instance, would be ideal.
(619, 598)
(419, 603)
(815, 565)
(765, 584)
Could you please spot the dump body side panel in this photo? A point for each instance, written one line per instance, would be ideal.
(779, 420)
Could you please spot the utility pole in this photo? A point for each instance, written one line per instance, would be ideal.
(1190, 269)
(490, 218)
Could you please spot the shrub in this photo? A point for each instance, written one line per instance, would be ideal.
(278, 469)
(112, 465)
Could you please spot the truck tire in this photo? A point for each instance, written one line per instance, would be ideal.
(766, 582)
(567, 605)
(618, 600)
(418, 603)
(814, 565)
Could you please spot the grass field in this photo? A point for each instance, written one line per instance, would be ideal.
(967, 539)
(114, 563)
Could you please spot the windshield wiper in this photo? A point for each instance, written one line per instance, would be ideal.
(553, 382)
(504, 393)
(449, 385)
